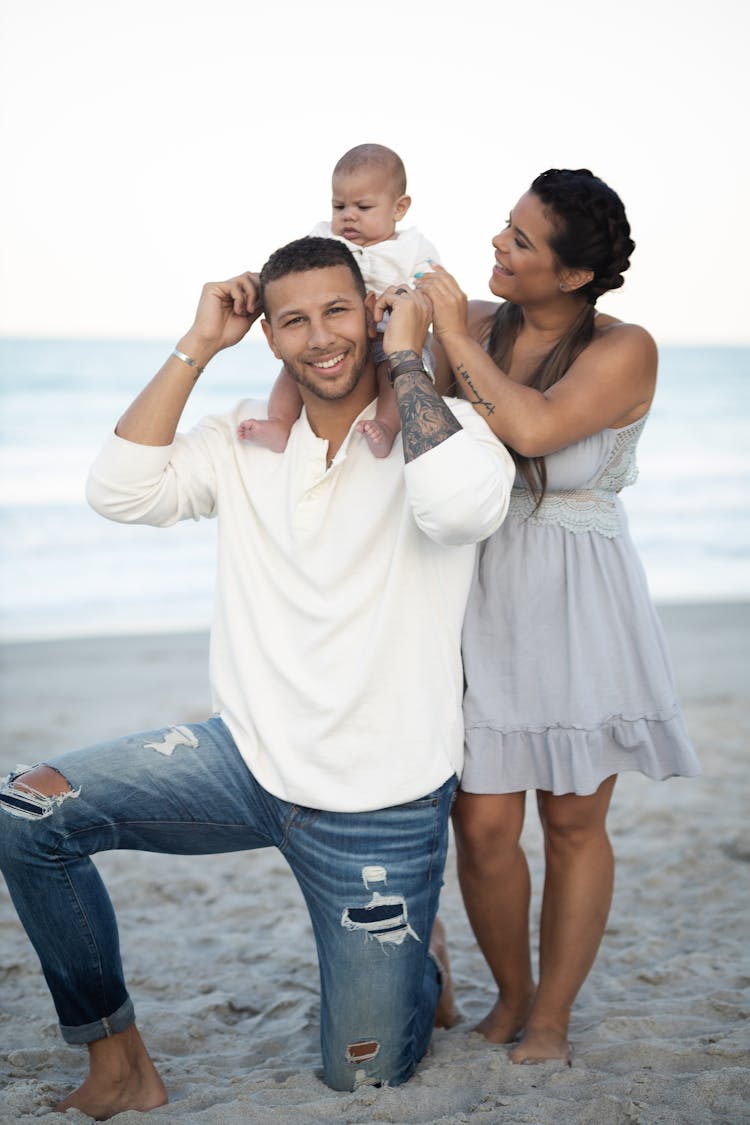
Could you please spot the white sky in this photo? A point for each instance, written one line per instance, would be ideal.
(152, 145)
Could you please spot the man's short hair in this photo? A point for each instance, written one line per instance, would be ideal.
(374, 156)
(309, 254)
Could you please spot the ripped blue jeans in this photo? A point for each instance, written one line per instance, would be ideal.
(371, 881)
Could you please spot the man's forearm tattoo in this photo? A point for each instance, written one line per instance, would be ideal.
(426, 421)
(394, 358)
(477, 400)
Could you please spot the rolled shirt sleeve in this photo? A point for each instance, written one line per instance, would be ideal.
(459, 491)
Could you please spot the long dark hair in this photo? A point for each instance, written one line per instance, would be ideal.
(590, 231)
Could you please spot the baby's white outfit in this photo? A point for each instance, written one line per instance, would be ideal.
(391, 262)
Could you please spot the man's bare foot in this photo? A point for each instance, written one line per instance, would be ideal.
(378, 436)
(542, 1044)
(505, 1022)
(121, 1077)
(271, 433)
(447, 1013)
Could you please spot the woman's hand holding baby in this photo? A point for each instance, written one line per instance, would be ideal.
(449, 303)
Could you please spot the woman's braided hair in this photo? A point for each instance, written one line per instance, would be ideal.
(590, 231)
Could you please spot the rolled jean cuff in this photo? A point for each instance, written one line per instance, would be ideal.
(103, 1028)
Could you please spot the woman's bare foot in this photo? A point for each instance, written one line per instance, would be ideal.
(378, 436)
(271, 433)
(447, 1013)
(505, 1022)
(121, 1077)
(542, 1044)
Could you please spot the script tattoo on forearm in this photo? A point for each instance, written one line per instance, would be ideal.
(477, 400)
(426, 421)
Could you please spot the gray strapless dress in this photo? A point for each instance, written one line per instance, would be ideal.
(567, 670)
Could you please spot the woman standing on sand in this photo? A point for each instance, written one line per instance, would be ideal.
(568, 677)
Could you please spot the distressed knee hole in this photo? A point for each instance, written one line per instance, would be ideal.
(45, 780)
(385, 917)
(362, 1051)
(36, 792)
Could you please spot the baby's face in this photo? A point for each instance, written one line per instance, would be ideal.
(366, 207)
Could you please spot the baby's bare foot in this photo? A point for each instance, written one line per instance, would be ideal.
(506, 1020)
(378, 435)
(542, 1044)
(270, 433)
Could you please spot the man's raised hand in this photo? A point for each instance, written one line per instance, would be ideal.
(225, 312)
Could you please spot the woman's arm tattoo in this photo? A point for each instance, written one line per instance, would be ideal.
(477, 400)
(426, 420)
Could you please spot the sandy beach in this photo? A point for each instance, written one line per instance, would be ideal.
(220, 959)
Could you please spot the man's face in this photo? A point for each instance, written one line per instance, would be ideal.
(317, 324)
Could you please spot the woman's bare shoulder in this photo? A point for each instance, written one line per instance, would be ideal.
(612, 329)
(629, 341)
(621, 355)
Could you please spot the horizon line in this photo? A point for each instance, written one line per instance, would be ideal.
(146, 338)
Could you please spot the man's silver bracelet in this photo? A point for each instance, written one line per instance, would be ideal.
(188, 360)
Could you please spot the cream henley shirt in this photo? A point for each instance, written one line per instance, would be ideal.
(340, 594)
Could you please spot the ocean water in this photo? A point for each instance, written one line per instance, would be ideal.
(65, 571)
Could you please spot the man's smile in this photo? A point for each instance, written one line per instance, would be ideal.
(327, 364)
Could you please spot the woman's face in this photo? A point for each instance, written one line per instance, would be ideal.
(526, 269)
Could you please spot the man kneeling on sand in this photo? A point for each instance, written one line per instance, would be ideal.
(335, 668)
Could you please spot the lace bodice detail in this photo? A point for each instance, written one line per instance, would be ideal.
(606, 463)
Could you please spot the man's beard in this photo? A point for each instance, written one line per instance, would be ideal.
(333, 391)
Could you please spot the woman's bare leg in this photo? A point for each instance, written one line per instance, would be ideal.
(577, 895)
(494, 878)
